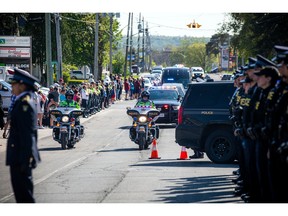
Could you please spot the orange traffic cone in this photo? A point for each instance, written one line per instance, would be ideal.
(183, 154)
(154, 152)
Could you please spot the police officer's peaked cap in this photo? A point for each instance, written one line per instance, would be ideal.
(281, 53)
(22, 76)
(268, 71)
(246, 80)
(244, 68)
(239, 72)
(251, 62)
(262, 62)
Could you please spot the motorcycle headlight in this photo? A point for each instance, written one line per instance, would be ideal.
(142, 119)
(65, 119)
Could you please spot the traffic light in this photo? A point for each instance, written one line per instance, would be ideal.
(194, 25)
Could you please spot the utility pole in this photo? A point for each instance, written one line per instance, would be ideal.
(138, 42)
(127, 44)
(59, 46)
(131, 44)
(148, 47)
(96, 47)
(111, 38)
(143, 46)
(49, 70)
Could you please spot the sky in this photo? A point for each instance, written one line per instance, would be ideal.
(164, 17)
(175, 24)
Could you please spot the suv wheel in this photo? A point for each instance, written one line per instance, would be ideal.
(220, 147)
(73, 77)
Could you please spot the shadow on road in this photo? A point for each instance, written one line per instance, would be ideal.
(204, 189)
(207, 189)
(184, 163)
(119, 150)
(51, 149)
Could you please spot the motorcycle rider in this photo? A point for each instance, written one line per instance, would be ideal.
(69, 102)
(144, 102)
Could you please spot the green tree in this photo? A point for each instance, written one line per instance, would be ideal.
(257, 33)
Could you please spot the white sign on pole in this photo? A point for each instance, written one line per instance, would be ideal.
(13, 41)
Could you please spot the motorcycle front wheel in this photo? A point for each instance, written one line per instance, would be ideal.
(64, 140)
(142, 141)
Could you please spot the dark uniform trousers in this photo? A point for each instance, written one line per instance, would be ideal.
(22, 184)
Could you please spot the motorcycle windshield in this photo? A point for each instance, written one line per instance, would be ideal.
(66, 110)
(145, 110)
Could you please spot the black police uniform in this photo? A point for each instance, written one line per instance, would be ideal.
(235, 116)
(257, 123)
(276, 108)
(248, 103)
(22, 153)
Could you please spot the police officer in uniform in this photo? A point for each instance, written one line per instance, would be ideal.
(267, 78)
(276, 129)
(22, 153)
(235, 116)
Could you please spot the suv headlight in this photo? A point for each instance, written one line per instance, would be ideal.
(142, 119)
(65, 119)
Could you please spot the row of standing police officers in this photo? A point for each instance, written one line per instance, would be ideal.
(259, 111)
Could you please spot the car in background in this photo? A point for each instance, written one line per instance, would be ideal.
(6, 92)
(157, 72)
(227, 77)
(176, 75)
(78, 74)
(179, 87)
(147, 83)
(197, 72)
(135, 69)
(167, 100)
(159, 67)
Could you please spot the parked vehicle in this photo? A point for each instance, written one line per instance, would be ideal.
(67, 129)
(176, 75)
(135, 69)
(203, 121)
(143, 129)
(6, 92)
(78, 74)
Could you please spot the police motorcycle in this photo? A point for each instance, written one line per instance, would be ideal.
(67, 129)
(144, 129)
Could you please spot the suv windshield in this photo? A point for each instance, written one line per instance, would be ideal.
(202, 97)
(163, 95)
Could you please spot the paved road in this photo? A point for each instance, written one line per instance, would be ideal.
(106, 167)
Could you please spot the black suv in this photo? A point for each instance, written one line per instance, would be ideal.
(176, 75)
(203, 120)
